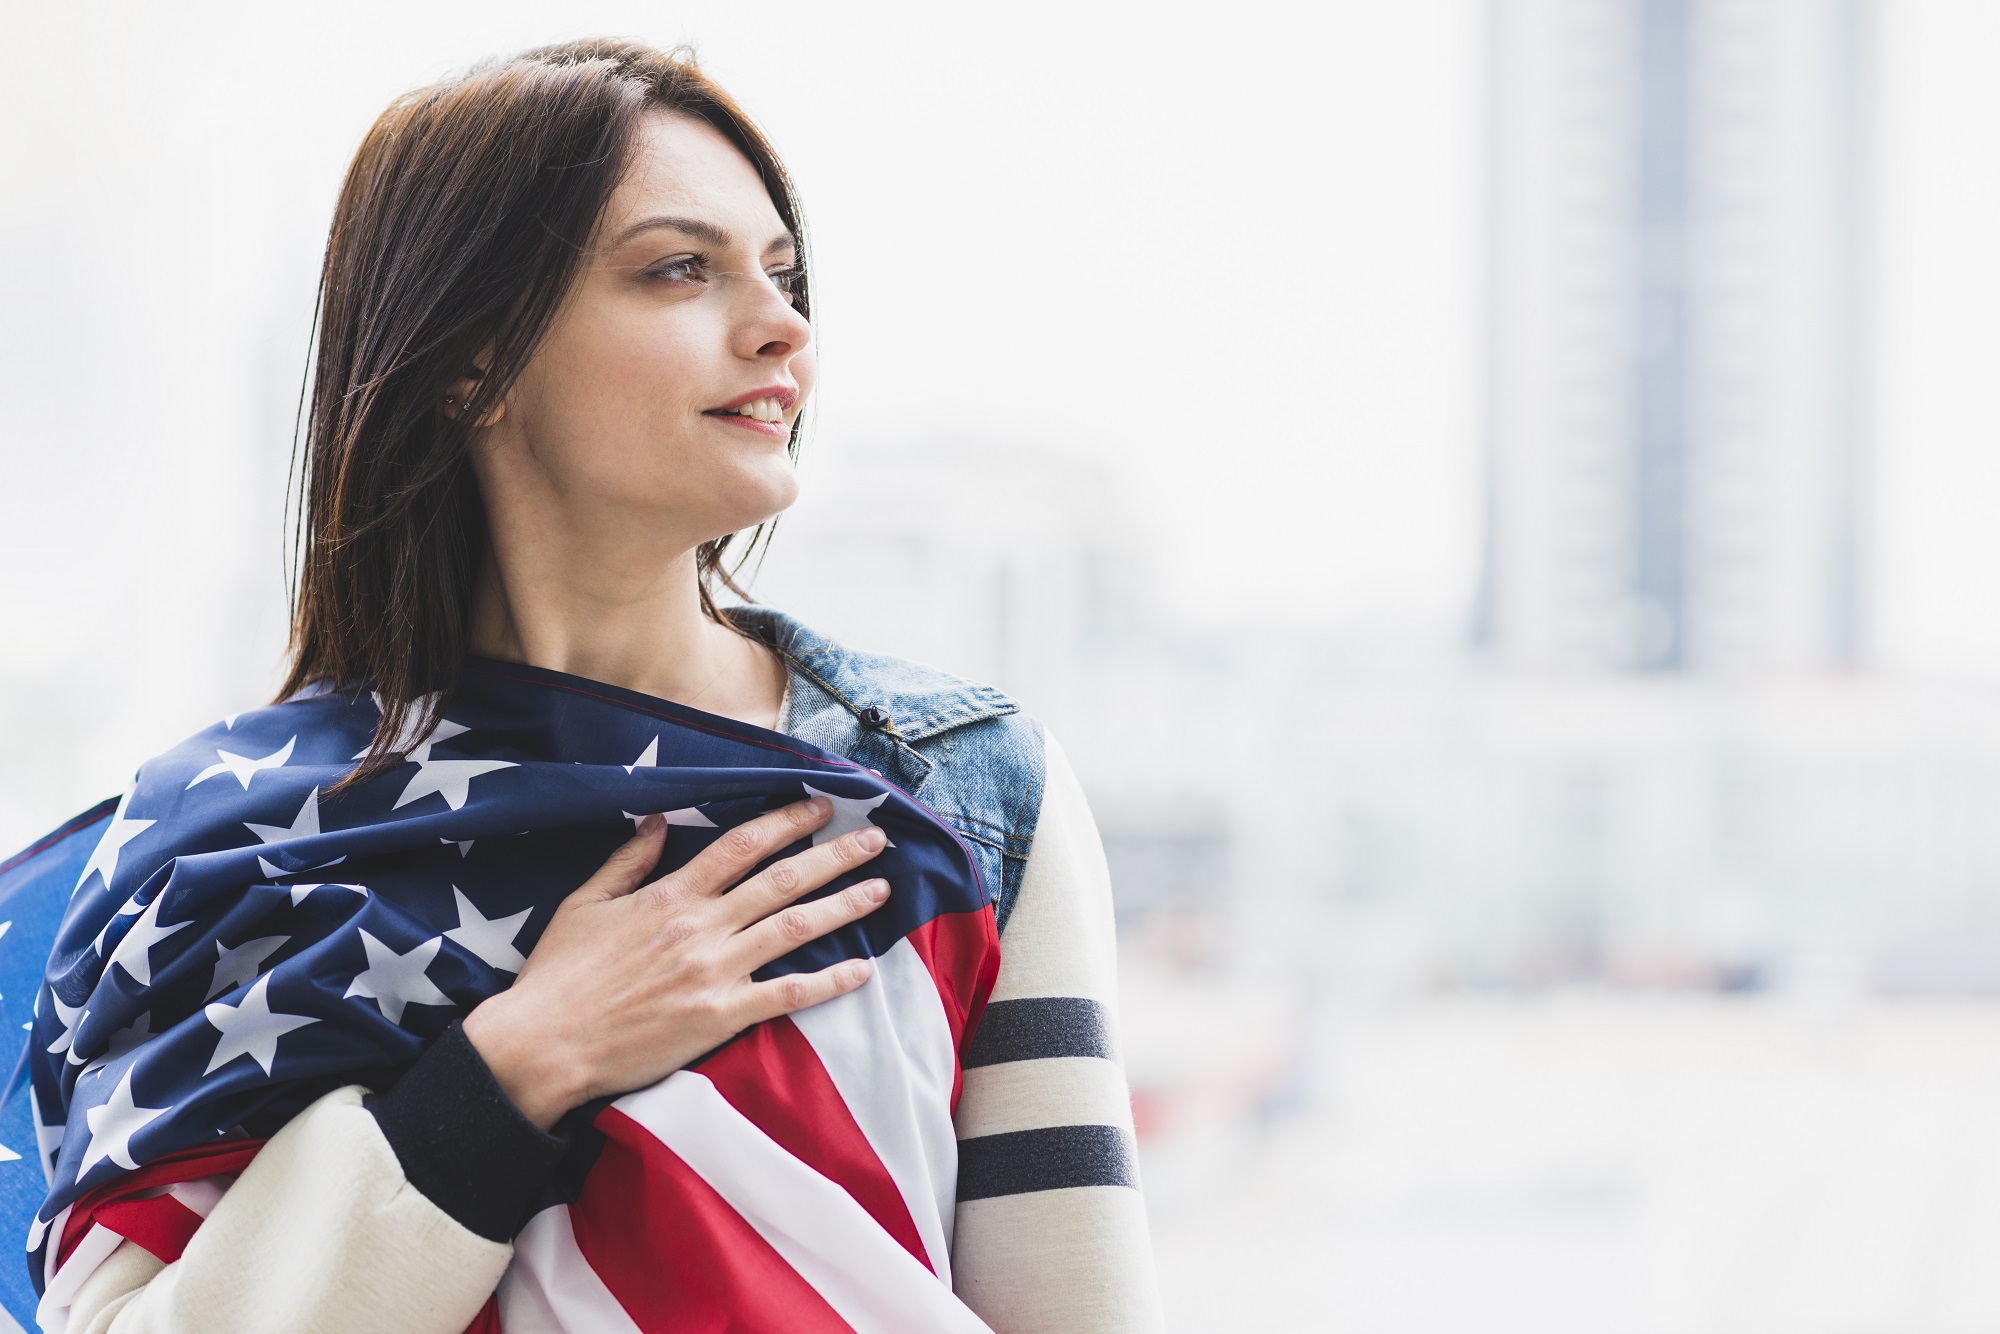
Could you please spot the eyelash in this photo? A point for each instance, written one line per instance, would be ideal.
(790, 279)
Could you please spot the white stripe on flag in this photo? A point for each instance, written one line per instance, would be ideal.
(53, 1230)
(95, 1248)
(864, 1274)
(549, 1288)
(902, 1106)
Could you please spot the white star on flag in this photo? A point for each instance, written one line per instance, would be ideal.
(395, 980)
(448, 778)
(237, 965)
(299, 892)
(242, 766)
(134, 953)
(73, 1056)
(648, 758)
(250, 1029)
(112, 1127)
(849, 814)
(129, 908)
(104, 857)
(491, 938)
(69, 1016)
(464, 845)
(124, 1040)
(274, 871)
(687, 817)
(304, 825)
(406, 738)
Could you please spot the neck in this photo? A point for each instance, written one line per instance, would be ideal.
(617, 617)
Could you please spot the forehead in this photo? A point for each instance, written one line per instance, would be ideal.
(683, 165)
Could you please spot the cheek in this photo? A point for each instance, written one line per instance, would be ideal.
(616, 412)
(609, 402)
(643, 375)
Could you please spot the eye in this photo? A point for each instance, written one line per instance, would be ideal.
(789, 279)
(683, 270)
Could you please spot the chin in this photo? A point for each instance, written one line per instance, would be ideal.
(756, 501)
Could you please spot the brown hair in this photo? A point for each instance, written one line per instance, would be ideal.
(461, 227)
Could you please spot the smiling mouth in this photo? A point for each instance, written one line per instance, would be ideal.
(768, 410)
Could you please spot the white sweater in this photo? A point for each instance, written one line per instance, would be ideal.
(323, 1234)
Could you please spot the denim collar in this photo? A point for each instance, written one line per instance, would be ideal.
(918, 701)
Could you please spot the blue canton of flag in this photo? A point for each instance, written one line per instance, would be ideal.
(229, 943)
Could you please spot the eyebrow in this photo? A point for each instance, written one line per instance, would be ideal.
(706, 232)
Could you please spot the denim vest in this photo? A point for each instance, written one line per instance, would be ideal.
(964, 750)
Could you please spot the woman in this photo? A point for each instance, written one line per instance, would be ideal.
(563, 351)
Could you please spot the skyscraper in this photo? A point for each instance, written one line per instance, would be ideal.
(1677, 251)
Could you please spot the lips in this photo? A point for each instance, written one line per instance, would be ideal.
(782, 394)
(768, 410)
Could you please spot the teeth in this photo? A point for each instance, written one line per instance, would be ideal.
(763, 410)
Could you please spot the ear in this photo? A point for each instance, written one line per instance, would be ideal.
(461, 391)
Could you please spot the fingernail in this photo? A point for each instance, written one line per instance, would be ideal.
(876, 890)
(859, 969)
(870, 840)
(653, 823)
(819, 806)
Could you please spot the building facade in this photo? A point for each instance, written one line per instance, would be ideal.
(1677, 403)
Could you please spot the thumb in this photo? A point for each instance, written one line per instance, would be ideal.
(625, 869)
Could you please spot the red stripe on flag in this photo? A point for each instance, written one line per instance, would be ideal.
(774, 1077)
(162, 1224)
(961, 951)
(673, 1252)
(205, 1160)
(488, 1319)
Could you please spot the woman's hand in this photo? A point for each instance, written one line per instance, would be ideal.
(626, 987)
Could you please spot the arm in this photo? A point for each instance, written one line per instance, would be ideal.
(1051, 1231)
(394, 1215)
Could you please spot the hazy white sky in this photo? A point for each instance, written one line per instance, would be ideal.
(1230, 253)
(1938, 464)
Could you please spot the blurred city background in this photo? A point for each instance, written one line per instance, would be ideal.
(1494, 497)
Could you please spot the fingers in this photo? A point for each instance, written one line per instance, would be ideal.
(625, 869)
(781, 882)
(728, 859)
(783, 932)
(785, 995)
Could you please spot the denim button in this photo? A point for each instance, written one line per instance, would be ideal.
(874, 717)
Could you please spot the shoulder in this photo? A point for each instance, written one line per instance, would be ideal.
(966, 750)
(317, 725)
(908, 702)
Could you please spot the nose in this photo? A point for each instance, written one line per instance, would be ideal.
(769, 326)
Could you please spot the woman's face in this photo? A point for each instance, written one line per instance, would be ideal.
(630, 410)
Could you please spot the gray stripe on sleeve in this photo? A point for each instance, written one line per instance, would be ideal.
(1053, 1158)
(1040, 1028)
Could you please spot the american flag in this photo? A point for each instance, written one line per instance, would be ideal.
(228, 943)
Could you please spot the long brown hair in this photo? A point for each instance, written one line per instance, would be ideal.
(460, 229)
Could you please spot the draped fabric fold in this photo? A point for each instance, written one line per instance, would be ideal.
(237, 943)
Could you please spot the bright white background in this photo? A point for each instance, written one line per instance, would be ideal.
(1232, 254)
(1229, 254)
(1232, 257)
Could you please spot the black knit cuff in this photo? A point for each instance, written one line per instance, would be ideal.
(461, 1140)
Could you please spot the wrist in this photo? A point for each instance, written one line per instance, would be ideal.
(525, 1065)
